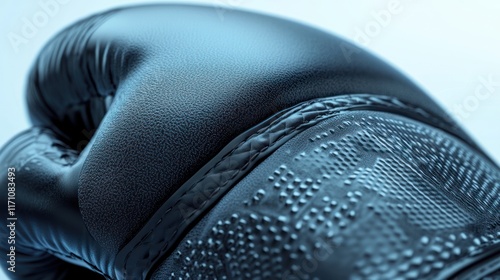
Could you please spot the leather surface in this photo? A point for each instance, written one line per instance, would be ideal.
(194, 198)
(130, 105)
(361, 195)
(48, 226)
(203, 81)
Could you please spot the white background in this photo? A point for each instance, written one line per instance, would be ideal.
(447, 47)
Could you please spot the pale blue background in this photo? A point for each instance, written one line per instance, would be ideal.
(445, 46)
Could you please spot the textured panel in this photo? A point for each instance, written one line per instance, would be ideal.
(362, 196)
(203, 190)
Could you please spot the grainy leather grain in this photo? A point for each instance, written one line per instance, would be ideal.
(133, 106)
(203, 81)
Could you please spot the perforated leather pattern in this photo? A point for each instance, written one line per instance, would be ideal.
(198, 195)
(364, 196)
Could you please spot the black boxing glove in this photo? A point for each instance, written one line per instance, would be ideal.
(252, 147)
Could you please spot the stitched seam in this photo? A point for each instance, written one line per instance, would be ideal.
(331, 111)
(259, 132)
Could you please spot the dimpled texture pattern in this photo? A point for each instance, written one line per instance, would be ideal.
(364, 195)
(199, 194)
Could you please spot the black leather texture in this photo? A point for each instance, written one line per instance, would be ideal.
(152, 124)
(360, 195)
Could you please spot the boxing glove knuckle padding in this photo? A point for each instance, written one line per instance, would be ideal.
(193, 115)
